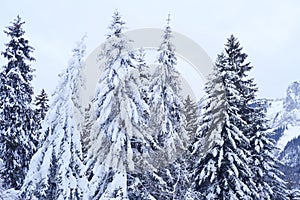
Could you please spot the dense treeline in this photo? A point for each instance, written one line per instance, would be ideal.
(139, 138)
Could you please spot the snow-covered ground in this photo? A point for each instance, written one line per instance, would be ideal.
(274, 111)
(290, 133)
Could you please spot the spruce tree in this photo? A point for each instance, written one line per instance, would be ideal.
(222, 170)
(41, 103)
(264, 165)
(169, 179)
(191, 112)
(17, 139)
(264, 181)
(145, 75)
(41, 108)
(185, 162)
(56, 170)
(118, 140)
(166, 116)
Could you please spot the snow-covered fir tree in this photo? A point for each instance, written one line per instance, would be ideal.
(185, 162)
(41, 103)
(264, 165)
(17, 139)
(145, 74)
(266, 173)
(222, 170)
(167, 120)
(250, 122)
(85, 134)
(41, 108)
(191, 112)
(56, 171)
(165, 100)
(118, 140)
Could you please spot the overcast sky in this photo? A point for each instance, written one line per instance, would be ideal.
(268, 30)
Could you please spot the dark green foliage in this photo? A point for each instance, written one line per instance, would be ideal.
(17, 139)
(41, 103)
(41, 108)
(191, 113)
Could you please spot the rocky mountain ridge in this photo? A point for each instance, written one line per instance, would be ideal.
(284, 120)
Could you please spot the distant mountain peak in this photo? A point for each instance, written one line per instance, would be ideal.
(284, 119)
(292, 100)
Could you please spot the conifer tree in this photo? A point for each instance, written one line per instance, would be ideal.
(145, 75)
(185, 162)
(41, 108)
(262, 177)
(265, 167)
(222, 170)
(56, 170)
(117, 138)
(263, 164)
(17, 139)
(169, 179)
(86, 131)
(166, 116)
(191, 113)
(41, 103)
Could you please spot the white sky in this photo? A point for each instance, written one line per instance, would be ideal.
(268, 30)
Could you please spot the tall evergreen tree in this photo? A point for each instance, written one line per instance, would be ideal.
(167, 123)
(56, 170)
(166, 116)
(265, 167)
(41, 103)
(263, 163)
(184, 163)
(222, 171)
(145, 74)
(191, 113)
(117, 139)
(41, 108)
(17, 141)
(264, 181)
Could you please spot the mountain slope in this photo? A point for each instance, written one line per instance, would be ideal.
(284, 116)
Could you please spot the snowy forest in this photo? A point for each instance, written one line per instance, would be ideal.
(139, 137)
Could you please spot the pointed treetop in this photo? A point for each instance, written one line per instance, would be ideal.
(15, 29)
(117, 25)
(41, 99)
(169, 19)
(232, 43)
(78, 54)
(168, 27)
(168, 31)
(236, 56)
(18, 141)
(166, 43)
(80, 48)
(18, 47)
